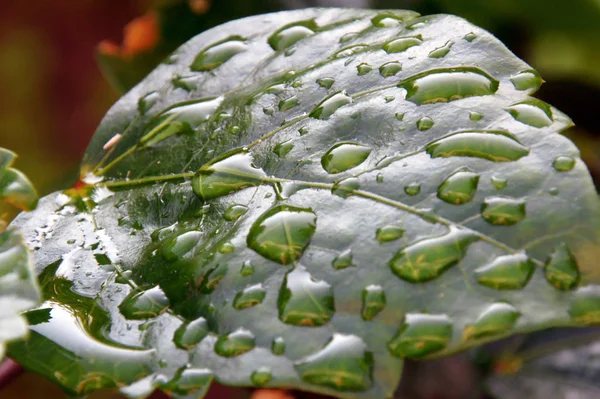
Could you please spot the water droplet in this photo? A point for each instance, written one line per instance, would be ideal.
(249, 297)
(445, 85)
(412, 189)
(349, 36)
(188, 381)
(470, 36)
(527, 80)
(344, 364)
(425, 123)
(247, 269)
(363, 68)
(344, 156)
(343, 260)
(187, 83)
(326, 82)
(386, 21)
(283, 148)
(427, 259)
(421, 335)
(459, 188)
(278, 346)
(211, 279)
(561, 269)
(218, 53)
(351, 50)
(226, 248)
(399, 116)
(268, 111)
(441, 52)
(475, 116)
(189, 334)
(379, 178)
(261, 377)
(415, 25)
(390, 68)
(532, 112)
(497, 146)
(330, 104)
(139, 305)
(389, 99)
(290, 34)
(499, 183)
(234, 130)
(585, 305)
(288, 103)
(563, 164)
(373, 301)
(235, 343)
(231, 172)
(146, 102)
(503, 211)
(554, 191)
(402, 44)
(497, 318)
(389, 233)
(346, 187)
(177, 247)
(304, 301)
(508, 272)
(282, 233)
(234, 212)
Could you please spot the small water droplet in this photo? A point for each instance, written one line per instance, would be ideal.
(283, 148)
(303, 131)
(425, 123)
(235, 343)
(527, 80)
(389, 233)
(247, 269)
(343, 260)
(187, 381)
(177, 247)
(402, 44)
(386, 21)
(412, 189)
(140, 305)
(497, 146)
(249, 297)
(290, 34)
(261, 377)
(399, 116)
(415, 25)
(459, 188)
(497, 318)
(508, 272)
(344, 156)
(346, 187)
(211, 279)
(499, 183)
(278, 346)
(351, 50)
(585, 305)
(421, 335)
(348, 36)
(470, 36)
(268, 111)
(189, 334)
(234, 129)
(427, 259)
(503, 211)
(234, 212)
(187, 83)
(390, 68)
(561, 269)
(363, 68)
(288, 103)
(226, 248)
(344, 364)
(441, 51)
(532, 112)
(218, 53)
(373, 301)
(231, 172)
(282, 233)
(330, 104)
(389, 99)
(146, 102)
(563, 163)
(304, 301)
(554, 191)
(326, 82)
(475, 116)
(379, 178)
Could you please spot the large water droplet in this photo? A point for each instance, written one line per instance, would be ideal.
(261, 377)
(532, 112)
(494, 146)
(421, 335)
(386, 21)
(344, 364)
(234, 212)
(283, 148)
(427, 259)
(304, 301)
(508, 272)
(236, 343)
(330, 104)
(373, 301)
(290, 34)
(459, 188)
(585, 305)
(278, 346)
(282, 233)
(146, 102)
(188, 381)
(249, 297)
(441, 51)
(231, 172)
(189, 334)
(390, 68)
(346, 187)
(561, 269)
(503, 211)
(363, 68)
(527, 80)
(326, 82)
(344, 156)
(140, 305)
(425, 123)
(444, 85)
(343, 260)
(563, 164)
(218, 53)
(389, 233)
(498, 318)
(412, 189)
(288, 103)
(402, 44)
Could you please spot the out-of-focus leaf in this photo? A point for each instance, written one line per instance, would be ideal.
(15, 187)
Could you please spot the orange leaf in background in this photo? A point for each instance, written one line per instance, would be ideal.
(271, 394)
(199, 7)
(140, 35)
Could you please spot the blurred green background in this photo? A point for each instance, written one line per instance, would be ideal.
(53, 93)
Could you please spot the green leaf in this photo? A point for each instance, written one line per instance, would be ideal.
(15, 187)
(394, 224)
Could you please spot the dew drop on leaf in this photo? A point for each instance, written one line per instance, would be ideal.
(499, 183)
(563, 163)
(363, 68)
(532, 112)
(249, 297)
(442, 51)
(490, 145)
(561, 269)
(189, 334)
(475, 116)
(402, 44)
(351, 50)
(140, 305)
(235, 343)
(226, 248)
(261, 376)
(389, 233)
(289, 35)
(386, 21)
(346, 187)
(373, 301)
(344, 156)
(179, 246)
(211, 279)
(234, 212)
(585, 305)
(196, 381)
(421, 335)
(527, 80)
(390, 68)
(343, 260)
(278, 346)
(218, 53)
(459, 188)
(288, 103)
(412, 189)
(326, 108)
(498, 318)
(425, 123)
(147, 101)
(247, 269)
(507, 272)
(503, 211)
(470, 36)
(283, 148)
(326, 82)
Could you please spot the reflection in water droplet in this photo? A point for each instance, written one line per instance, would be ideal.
(563, 164)
(346, 187)
(470, 36)
(499, 183)
(146, 102)
(475, 116)
(445, 85)
(283, 148)
(503, 211)
(304, 301)
(188, 381)
(343, 260)
(282, 233)
(344, 364)
(278, 346)
(351, 50)
(379, 178)
(386, 21)
(459, 188)
(218, 53)
(226, 248)
(421, 335)
(561, 269)
(412, 189)
(497, 146)
(247, 269)
(532, 112)
(288, 103)
(231, 172)
(441, 52)
(585, 305)
(249, 297)
(497, 318)
(388, 233)
(290, 34)
(261, 377)
(235, 343)
(189, 334)
(402, 44)
(508, 272)
(527, 80)
(234, 212)
(373, 301)
(326, 82)
(139, 305)
(425, 123)
(427, 259)
(344, 156)
(330, 104)
(363, 68)
(390, 68)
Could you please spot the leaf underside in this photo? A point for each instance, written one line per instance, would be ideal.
(303, 199)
